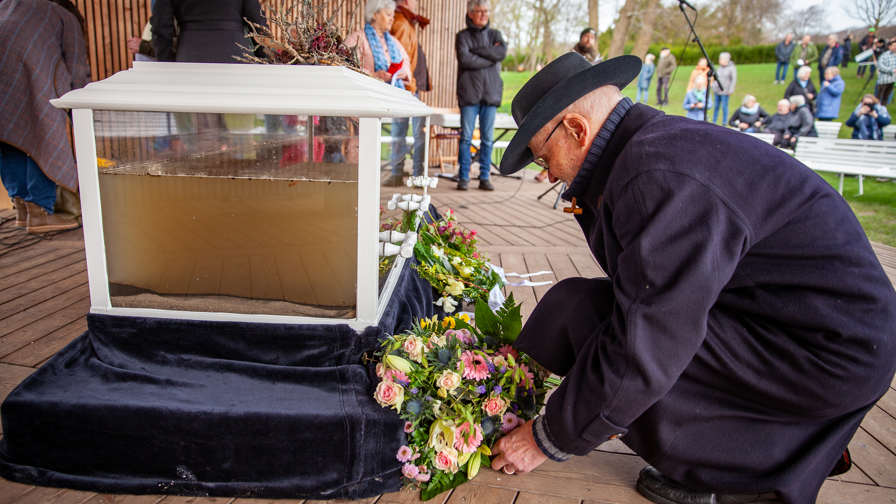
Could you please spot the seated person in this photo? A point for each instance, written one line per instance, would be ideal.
(748, 118)
(802, 123)
(779, 124)
(695, 100)
(802, 84)
(869, 119)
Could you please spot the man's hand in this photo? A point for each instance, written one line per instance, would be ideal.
(699, 105)
(134, 45)
(518, 451)
(383, 76)
(810, 95)
(743, 125)
(757, 124)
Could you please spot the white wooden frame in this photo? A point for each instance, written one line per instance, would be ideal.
(377, 99)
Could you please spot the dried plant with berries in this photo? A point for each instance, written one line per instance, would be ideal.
(309, 38)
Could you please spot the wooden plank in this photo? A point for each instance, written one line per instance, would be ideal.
(10, 378)
(44, 326)
(177, 499)
(888, 402)
(477, 493)
(47, 346)
(48, 277)
(605, 467)
(562, 266)
(64, 496)
(874, 459)
(515, 263)
(406, 496)
(552, 484)
(27, 259)
(40, 295)
(39, 495)
(123, 499)
(587, 266)
(539, 262)
(882, 427)
(269, 501)
(835, 492)
(10, 490)
(531, 498)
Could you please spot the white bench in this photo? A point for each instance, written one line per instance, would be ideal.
(856, 157)
(765, 137)
(827, 129)
(890, 133)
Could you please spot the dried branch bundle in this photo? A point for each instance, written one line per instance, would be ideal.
(310, 39)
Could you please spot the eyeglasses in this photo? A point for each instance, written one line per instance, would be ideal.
(541, 162)
(480, 11)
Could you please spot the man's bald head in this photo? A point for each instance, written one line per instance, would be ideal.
(570, 141)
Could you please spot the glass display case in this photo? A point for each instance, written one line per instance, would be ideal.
(253, 197)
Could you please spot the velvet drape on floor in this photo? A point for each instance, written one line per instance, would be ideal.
(161, 406)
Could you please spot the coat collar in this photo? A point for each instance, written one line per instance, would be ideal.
(607, 146)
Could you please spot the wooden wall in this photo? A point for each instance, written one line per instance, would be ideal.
(111, 22)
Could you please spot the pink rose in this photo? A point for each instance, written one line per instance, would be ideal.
(448, 380)
(389, 394)
(414, 347)
(380, 370)
(446, 460)
(494, 406)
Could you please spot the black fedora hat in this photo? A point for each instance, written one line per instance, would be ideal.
(555, 87)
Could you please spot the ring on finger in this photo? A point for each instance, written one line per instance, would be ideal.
(507, 471)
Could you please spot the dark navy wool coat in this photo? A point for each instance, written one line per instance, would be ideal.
(746, 326)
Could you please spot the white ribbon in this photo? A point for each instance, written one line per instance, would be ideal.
(525, 283)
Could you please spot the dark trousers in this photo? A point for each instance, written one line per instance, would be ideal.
(22, 178)
(784, 143)
(883, 92)
(662, 86)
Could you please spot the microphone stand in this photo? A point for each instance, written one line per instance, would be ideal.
(712, 68)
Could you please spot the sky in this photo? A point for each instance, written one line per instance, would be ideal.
(837, 18)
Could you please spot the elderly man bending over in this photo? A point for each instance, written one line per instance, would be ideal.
(745, 326)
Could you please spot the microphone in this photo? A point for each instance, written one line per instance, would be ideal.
(685, 2)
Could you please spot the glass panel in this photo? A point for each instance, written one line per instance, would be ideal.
(229, 213)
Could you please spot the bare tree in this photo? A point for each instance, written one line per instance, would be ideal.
(808, 21)
(622, 28)
(594, 20)
(871, 12)
(645, 33)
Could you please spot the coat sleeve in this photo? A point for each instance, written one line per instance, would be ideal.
(883, 116)
(735, 119)
(851, 122)
(836, 88)
(807, 122)
(495, 53)
(680, 246)
(466, 59)
(163, 30)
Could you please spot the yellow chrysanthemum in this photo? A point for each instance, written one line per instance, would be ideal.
(448, 321)
(465, 317)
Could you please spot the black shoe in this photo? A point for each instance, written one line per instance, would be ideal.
(455, 178)
(394, 181)
(485, 185)
(656, 487)
(463, 185)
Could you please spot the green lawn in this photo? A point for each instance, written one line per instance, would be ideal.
(876, 209)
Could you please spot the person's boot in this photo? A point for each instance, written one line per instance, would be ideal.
(485, 185)
(656, 487)
(463, 185)
(21, 212)
(394, 181)
(39, 221)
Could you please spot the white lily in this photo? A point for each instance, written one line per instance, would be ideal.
(437, 251)
(447, 304)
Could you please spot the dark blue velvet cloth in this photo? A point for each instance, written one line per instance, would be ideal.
(160, 406)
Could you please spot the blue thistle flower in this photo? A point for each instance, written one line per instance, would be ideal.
(488, 426)
(414, 406)
(444, 356)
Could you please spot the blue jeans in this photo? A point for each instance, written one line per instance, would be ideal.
(468, 115)
(400, 147)
(783, 74)
(646, 96)
(721, 101)
(24, 179)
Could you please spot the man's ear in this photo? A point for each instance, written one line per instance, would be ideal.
(579, 127)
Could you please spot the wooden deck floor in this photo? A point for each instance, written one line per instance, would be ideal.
(44, 300)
